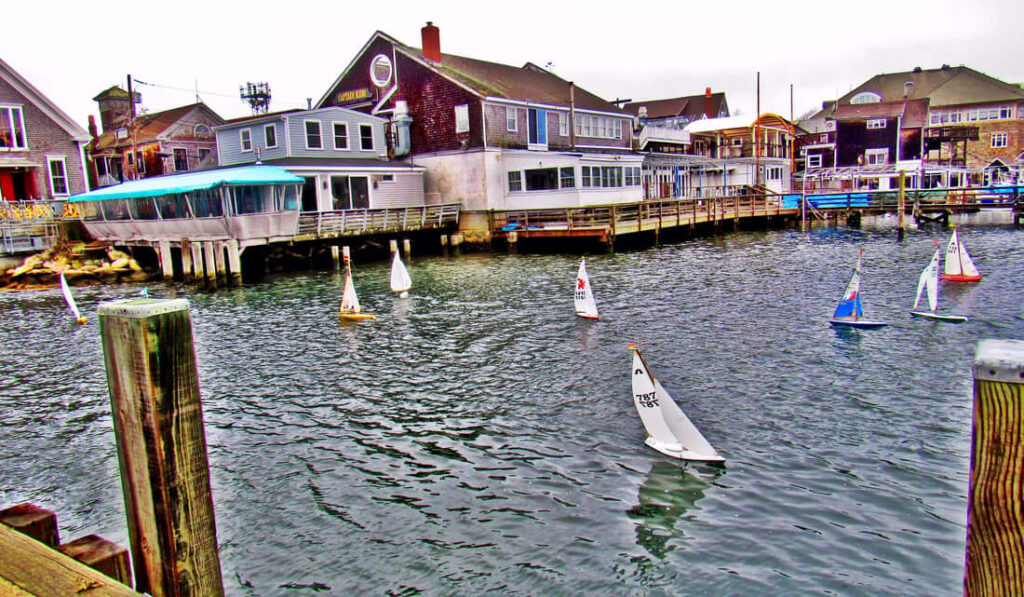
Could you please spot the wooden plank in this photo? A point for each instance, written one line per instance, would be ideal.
(161, 445)
(28, 567)
(995, 503)
(100, 555)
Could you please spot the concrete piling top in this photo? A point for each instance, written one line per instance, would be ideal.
(999, 360)
(141, 308)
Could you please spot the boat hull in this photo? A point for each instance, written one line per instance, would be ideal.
(356, 316)
(862, 324)
(681, 453)
(960, 278)
(590, 317)
(939, 316)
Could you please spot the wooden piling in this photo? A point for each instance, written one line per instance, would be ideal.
(393, 246)
(34, 521)
(100, 555)
(211, 272)
(407, 247)
(335, 256)
(995, 503)
(199, 273)
(166, 261)
(234, 262)
(901, 206)
(186, 260)
(220, 263)
(161, 446)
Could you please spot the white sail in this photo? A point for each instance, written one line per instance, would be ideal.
(349, 300)
(669, 430)
(583, 296)
(400, 280)
(70, 299)
(929, 281)
(958, 261)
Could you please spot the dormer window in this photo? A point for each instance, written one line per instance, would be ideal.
(866, 97)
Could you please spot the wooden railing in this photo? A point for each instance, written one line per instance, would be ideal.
(353, 222)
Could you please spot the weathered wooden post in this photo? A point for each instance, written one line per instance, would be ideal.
(166, 262)
(211, 271)
(393, 246)
(995, 503)
(901, 206)
(197, 262)
(407, 247)
(186, 260)
(220, 263)
(161, 446)
(336, 256)
(234, 262)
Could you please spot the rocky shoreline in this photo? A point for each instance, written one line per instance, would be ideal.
(82, 265)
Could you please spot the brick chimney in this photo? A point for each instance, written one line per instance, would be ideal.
(707, 103)
(431, 42)
(115, 106)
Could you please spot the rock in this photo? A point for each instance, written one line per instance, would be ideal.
(30, 263)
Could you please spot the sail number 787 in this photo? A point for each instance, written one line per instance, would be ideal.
(647, 400)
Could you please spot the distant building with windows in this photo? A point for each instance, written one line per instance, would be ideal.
(949, 127)
(41, 147)
(131, 146)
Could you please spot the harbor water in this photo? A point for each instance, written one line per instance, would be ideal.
(478, 437)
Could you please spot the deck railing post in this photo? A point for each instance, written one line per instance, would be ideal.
(995, 524)
(161, 446)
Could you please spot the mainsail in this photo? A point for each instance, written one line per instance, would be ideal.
(70, 299)
(586, 306)
(929, 280)
(349, 300)
(400, 280)
(849, 306)
(958, 265)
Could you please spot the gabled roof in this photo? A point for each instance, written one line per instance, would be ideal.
(150, 126)
(692, 107)
(26, 89)
(708, 125)
(946, 86)
(913, 113)
(528, 83)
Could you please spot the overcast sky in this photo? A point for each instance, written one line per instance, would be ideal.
(642, 50)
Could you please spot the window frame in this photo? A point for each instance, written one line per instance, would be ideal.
(814, 157)
(877, 123)
(1004, 139)
(461, 118)
(16, 126)
(319, 134)
(515, 183)
(869, 154)
(567, 177)
(266, 139)
(50, 161)
(334, 135)
(362, 137)
(174, 155)
(244, 137)
(512, 119)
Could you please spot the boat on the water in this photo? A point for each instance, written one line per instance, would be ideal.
(586, 306)
(958, 266)
(350, 309)
(669, 430)
(850, 312)
(928, 284)
(400, 280)
(70, 299)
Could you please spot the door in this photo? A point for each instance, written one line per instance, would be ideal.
(360, 192)
(309, 193)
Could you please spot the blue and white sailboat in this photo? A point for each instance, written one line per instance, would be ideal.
(850, 312)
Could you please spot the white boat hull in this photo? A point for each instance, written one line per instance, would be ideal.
(939, 316)
(682, 453)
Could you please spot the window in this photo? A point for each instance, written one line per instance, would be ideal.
(340, 135)
(366, 137)
(563, 124)
(203, 152)
(538, 127)
(462, 118)
(737, 141)
(773, 173)
(246, 137)
(515, 181)
(12, 128)
(876, 156)
(877, 123)
(541, 179)
(270, 136)
(180, 159)
(611, 176)
(632, 176)
(313, 140)
(511, 119)
(1000, 139)
(58, 176)
(599, 127)
(568, 176)
(1005, 112)
(866, 97)
(814, 160)
(201, 130)
(140, 162)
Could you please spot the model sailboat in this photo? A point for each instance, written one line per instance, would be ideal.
(669, 431)
(350, 309)
(849, 312)
(929, 283)
(586, 306)
(958, 266)
(400, 280)
(70, 298)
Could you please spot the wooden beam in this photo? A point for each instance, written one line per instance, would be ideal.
(34, 521)
(161, 446)
(28, 567)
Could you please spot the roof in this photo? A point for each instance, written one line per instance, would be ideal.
(111, 92)
(945, 86)
(159, 186)
(258, 117)
(913, 113)
(302, 163)
(528, 83)
(692, 106)
(150, 126)
(26, 89)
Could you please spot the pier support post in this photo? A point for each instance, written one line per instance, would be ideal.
(211, 272)
(34, 521)
(456, 239)
(234, 262)
(393, 246)
(901, 206)
(197, 262)
(166, 261)
(407, 247)
(220, 263)
(161, 446)
(513, 240)
(995, 523)
(336, 256)
(186, 260)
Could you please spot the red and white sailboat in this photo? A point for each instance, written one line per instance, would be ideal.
(586, 306)
(958, 266)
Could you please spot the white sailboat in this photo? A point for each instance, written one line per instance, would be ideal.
(929, 282)
(849, 312)
(586, 306)
(958, 266)
(400, 280)
(70, 299)
(350, 309)
(669, 431)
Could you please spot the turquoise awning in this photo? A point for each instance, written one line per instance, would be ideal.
(192, 181)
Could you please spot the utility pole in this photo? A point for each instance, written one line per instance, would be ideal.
(131, 126)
